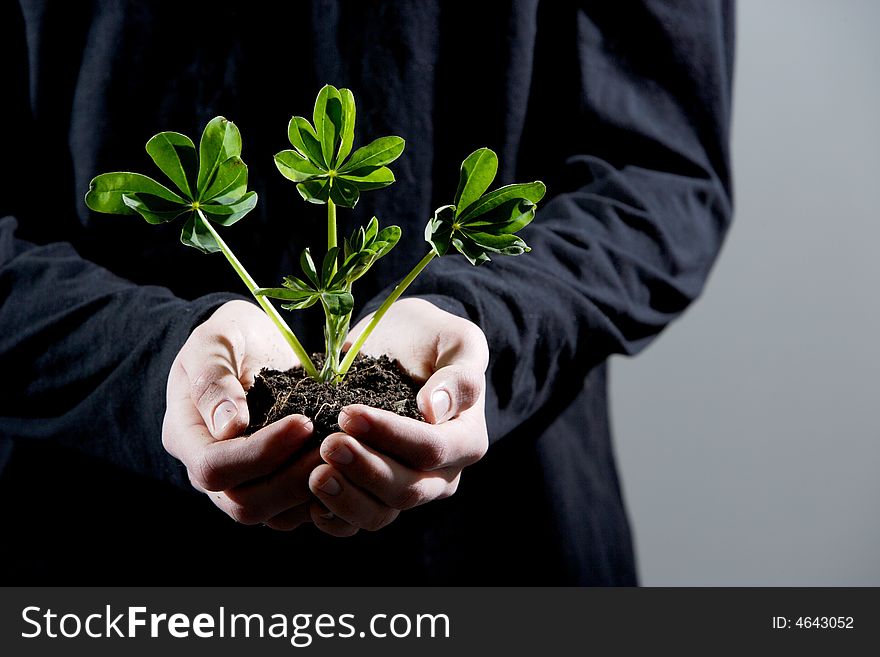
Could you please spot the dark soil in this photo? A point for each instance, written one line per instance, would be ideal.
(377, 382)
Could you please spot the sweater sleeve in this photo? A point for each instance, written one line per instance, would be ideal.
(626, 242)
(85, 354)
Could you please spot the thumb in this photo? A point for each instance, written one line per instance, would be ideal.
(450, 391)
(219, 396)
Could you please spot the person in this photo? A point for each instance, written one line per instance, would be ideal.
(622, 109)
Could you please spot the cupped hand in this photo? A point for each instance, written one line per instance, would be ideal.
(384, 463)
(261, 478)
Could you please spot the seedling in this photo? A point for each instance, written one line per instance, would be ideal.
(475, 224)
(325, 173)
(212, 189)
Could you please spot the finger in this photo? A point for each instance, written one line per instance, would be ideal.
(290, 519)
(392, 483)
(226, 464)
(283, 489)
(211, 364)
(418, 444)
(450, 391)
(328, 522)
(347, 502)
(218, 465)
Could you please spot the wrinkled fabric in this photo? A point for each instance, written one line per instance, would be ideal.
(622, 109)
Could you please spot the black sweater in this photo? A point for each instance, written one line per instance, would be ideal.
(622, 108)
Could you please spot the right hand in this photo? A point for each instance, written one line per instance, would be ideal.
(261, 478)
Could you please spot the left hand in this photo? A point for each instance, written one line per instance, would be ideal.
(385, 463)
(253, 479)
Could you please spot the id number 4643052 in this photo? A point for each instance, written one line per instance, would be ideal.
(814, 622)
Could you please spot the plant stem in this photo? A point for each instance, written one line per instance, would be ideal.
(331, 224)
(265, 304)
(334, 333)
(335, 330)
(399, 289)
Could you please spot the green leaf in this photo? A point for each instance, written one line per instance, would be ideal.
(106, 191)
(155, 209)
(465, 246)
(175, 155)
(477, 173)
(294, 283)
(229, 183)
(354, 266)
(298, 299)
(282, 293)
(315, 191)
(221, 140)
(327, 119)
(301, 305)
(295, 167)
(369, 178)
(304, 139)
(195, 234)
(344, 193)
(218, 181)
(438, 231)
(338, 303)
(363, 249)
(228, 213)
(309, 269)
(509, 217)
(387, 239)
(503, 244)
(328, 265)
(370, 232)
(533, 191)
(375, 154)
(348, 118)
(348, 247)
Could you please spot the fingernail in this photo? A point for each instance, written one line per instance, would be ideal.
(353, 424)
(223, 415)
(328, 516)
(441, 402)
(341, 455)
(331, 486)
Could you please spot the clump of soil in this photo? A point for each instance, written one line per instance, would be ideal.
(377, 382)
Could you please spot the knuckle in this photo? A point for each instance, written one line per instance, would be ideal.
(408, 497)
(434, 454)
(199, 333)
(195, 483)
(474, 340)
(371, 478)
(450, 489)
(207, 474)
(479, 449)
(381, 519)
(204, 389)
(371, 524)
(243, 515)
(470, 384)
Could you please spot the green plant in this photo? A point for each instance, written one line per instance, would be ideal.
(212, 189)
(476, 224)
(327, 172)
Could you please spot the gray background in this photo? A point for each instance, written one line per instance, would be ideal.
(748, 433)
